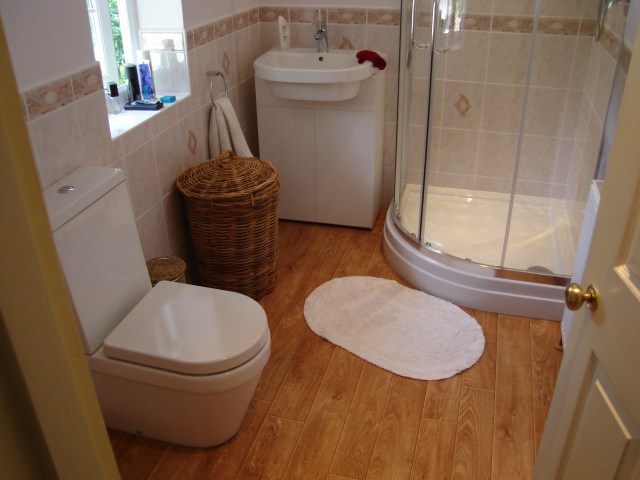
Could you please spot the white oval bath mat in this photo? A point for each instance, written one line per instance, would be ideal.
(397, 328)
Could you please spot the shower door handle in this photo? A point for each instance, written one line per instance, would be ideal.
(434, 26)
(420, 46)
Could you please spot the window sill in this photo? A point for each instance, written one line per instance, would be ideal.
(128, 119)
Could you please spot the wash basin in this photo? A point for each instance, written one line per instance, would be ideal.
(305, 74)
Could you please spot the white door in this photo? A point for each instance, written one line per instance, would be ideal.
(592, 430)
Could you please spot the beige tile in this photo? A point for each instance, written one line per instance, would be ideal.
(490, 184)
(142, 177)
(455, 181)
(57, 144)
(497, 154)
(305, 15)
(537, 159)
(479, 6)
(544, 112)
(579, 68)
(203, 35)
(458, 151)
(153, 232)
(572, 112)
(347, 37)
(175, 219)
(384, 39)
(553, 60)
(513, 7)
(534, 189)
(96, 136)
(244, 59)
(508, 58)
(502, 108)
(470, 62)
(193, 142)
(462, 105)
(567, 151)
(565, 8)
(225, 59)
(168, 158)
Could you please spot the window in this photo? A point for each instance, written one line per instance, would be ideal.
(119, 29)
(109, 20)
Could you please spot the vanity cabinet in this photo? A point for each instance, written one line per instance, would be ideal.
(328, 154)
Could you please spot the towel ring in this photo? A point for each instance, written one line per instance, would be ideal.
(212, 74)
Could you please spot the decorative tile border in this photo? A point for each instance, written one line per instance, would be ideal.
(348, 16)
(87, 81)
(196, 37)
(51, 96)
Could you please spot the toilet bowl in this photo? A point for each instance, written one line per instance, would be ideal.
(178, 363)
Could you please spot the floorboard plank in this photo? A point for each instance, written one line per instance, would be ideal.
(178, 463)
(546, 360)
(355, 448)
(434, 452)
(358, 254)
(271, 450)
(483, 373)
(513, 438)
(442, 399)
(302, 381)
(396, 443)
(224, 461)
(292, 328)
(137, 456)
(317, 443)
(474, 436)
(292, 269)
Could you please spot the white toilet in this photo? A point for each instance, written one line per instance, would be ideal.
(178, 362)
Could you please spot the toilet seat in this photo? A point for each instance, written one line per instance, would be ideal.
(190, 330)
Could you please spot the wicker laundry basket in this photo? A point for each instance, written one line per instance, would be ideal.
(232, 211)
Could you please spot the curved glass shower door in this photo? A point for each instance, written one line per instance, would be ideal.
(439, 136)
(500, 125)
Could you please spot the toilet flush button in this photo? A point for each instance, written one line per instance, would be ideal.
(66, 189)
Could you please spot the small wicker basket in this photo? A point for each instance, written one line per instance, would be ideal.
(232, 211)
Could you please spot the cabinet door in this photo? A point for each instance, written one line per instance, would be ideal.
(287, 141)
(345, 167)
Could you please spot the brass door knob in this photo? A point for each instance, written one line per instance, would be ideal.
(575, 296)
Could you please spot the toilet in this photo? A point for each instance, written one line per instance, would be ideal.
(176, 362)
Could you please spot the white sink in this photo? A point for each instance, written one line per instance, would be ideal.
(305, 74)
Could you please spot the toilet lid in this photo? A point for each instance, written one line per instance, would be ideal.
(190, 329)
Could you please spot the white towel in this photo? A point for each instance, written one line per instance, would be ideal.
(225, 132)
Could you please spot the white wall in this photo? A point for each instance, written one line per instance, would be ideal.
(47, 39)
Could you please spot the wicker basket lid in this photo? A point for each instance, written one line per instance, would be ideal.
(227, 177)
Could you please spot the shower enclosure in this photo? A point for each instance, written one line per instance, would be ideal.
(500, 117)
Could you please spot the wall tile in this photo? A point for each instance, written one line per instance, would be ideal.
(462, 107)
(497, 154)
(87, 81)
(508, 58)
(142, 177)
(552, 60)
(545, 108)
(168, 159)
(352, 16)
(347, 37)
(152, 231)
(470, 62)
(458, 151)
(91, 113)
(48, 98)
(502, 109)
(57, 144)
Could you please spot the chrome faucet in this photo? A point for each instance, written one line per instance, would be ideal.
(321, 33)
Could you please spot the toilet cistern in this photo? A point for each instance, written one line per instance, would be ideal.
(321, 33)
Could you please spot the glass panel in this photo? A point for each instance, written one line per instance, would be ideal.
(476, 111)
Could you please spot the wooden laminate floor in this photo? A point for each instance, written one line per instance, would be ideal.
(322, 413)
